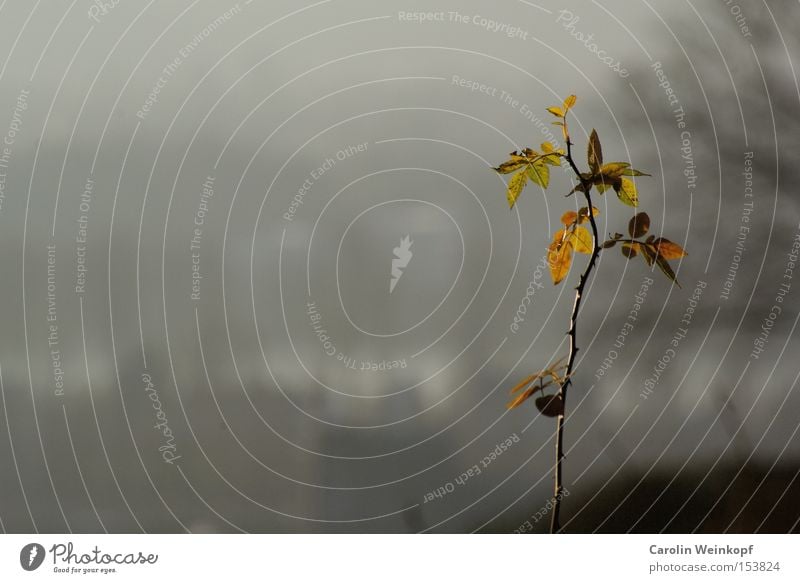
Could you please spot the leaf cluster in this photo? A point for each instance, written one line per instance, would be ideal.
(548, 405)
(529, 165)
(653, 250)
(572, 237)
(611, 175)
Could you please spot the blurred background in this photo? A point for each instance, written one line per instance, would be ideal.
(258, 274)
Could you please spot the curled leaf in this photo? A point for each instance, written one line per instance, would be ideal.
(594, 153)
(521, 398)
(525, 382)
(639, 225)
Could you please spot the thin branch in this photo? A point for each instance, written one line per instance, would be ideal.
(555, 524)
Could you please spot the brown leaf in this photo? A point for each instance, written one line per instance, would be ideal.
(648, 253)
(583, 213)
(666, 269)
(550, 405)
(639, 225)
(603, 183)
(669, 250)
(594, 153)
(630, 250)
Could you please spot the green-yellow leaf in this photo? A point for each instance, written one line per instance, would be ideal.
(552, 159)
(614, 169)
(539, 173)
(582, 240)
(515, 186)
(633, 172)
(627, 192)
(594, 153)
(515, 162)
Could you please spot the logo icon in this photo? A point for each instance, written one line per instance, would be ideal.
(31, 556)
(402, 255)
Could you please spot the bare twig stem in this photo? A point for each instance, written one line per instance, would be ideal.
(555, 524)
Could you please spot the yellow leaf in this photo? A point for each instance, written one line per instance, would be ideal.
(569, 102)
(559, 257)
(556, 111)
(521, 398)
(539, 173)
(594, 153)
(525, 382)
(547, 147)
(569, 217)
(582, 240)
(515, 186)
(627, 192)
(669, 250)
